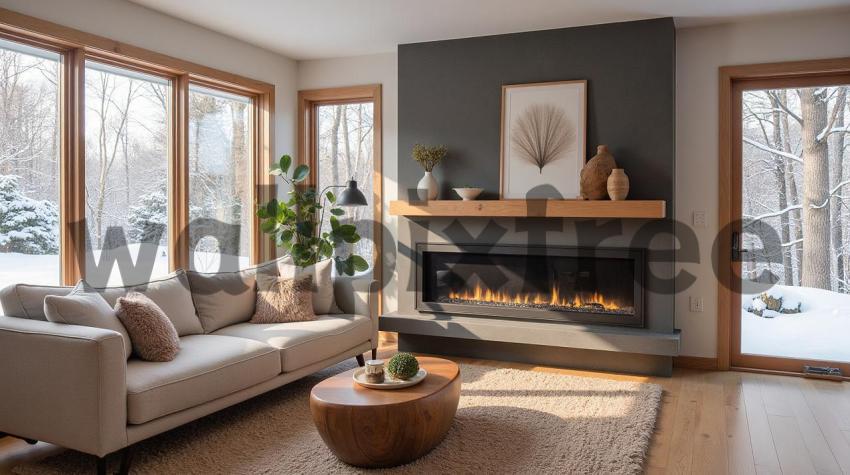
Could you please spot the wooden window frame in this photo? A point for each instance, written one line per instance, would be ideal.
(75, 47)
(307, 151)
(733, 81)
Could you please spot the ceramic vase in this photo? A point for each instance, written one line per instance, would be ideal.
(594, 175)
(618, 184)
(427, 188)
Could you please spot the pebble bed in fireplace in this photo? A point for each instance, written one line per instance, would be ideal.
(587, 308)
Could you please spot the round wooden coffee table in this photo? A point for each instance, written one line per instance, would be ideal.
(384, 428)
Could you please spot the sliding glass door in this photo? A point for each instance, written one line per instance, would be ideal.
(793, 246)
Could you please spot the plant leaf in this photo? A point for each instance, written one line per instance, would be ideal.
(275, 170)
(337, 211)
(351, 239)
(271, 207)
(300, 174)
(359, 264)
(285, 162)
(334, 223)
(348, 229)
(331, 197)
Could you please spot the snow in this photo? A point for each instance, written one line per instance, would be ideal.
(821, 331)
(16, 268)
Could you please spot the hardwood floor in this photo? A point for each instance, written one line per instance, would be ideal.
(710, 422)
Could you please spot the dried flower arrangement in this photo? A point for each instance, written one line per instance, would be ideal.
(429, 157)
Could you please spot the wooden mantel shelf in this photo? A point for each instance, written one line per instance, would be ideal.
(636, 209)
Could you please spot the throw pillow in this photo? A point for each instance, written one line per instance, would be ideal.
(282, 300)
(323, 287)
(85, 306)
(152, 333)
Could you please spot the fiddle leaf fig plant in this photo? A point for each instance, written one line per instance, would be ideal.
(295, 224)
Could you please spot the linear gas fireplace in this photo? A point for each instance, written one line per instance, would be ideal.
(566, 284)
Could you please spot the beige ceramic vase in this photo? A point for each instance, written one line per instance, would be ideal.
(594, 175)
(618, 184)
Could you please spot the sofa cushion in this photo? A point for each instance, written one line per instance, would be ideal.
(85, 306)
(171, 294)
(305, 343)
(226, 298)
(208, 367)
(323, 286)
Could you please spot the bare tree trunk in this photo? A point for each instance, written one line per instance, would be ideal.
(350, 171)
(793, 194)
(335, 145)
(238, 154)
(837, 169)
(816, 232)
(779, 176)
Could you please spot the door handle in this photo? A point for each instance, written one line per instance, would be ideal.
(737, 250)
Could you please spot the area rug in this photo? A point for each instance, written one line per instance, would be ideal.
(508, 421)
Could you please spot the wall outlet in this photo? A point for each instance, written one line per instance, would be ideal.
(699, 219)
(696, 304)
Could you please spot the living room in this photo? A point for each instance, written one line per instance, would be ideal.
(515, 237)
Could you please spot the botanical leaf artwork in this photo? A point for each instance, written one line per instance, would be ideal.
(542, 135)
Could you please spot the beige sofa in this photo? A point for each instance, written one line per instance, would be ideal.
(72, 385)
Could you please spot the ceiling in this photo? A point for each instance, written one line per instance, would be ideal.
(308, 29)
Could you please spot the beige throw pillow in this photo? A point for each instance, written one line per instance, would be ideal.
(323, 287)
(282, 300)
(152, 333)
(85, 306)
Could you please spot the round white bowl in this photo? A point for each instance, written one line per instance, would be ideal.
(468, 194)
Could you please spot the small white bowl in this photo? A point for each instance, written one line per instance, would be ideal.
(468, 194)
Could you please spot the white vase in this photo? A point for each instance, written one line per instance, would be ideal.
(427, 188)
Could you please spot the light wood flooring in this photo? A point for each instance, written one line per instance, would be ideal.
(710, 422)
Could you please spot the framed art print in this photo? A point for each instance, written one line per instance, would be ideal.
(543, 139)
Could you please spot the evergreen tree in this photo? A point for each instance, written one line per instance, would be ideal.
(27, 226)
(148, 219)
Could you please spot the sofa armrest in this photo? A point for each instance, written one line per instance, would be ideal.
(358, 296)
(63, 384)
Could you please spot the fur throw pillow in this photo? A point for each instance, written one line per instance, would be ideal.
(282, 300)
(152, 333)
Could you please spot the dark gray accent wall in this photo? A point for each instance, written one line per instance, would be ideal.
(450, 93)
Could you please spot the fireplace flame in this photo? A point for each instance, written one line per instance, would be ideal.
(583, 299)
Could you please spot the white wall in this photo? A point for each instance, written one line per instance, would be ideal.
(699, 54)
(359, 70)
(129, 23)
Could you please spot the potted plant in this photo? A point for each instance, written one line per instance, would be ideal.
(293, 224)
(428, 158)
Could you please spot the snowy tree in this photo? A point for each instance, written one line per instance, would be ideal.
(796, 184)
(148, 219)
(27, 226)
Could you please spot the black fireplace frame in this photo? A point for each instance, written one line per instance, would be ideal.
(637, 320)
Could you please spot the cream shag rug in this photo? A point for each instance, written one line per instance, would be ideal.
(508, 421)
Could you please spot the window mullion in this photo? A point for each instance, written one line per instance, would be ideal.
(178, 171)
(72, 167)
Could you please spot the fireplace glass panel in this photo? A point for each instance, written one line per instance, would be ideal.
(587, 288)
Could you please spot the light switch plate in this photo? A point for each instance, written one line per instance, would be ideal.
(699, 219)
(697, 304)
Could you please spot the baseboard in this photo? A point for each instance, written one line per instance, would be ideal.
(695, 362)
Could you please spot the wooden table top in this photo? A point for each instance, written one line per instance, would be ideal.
(342, 390)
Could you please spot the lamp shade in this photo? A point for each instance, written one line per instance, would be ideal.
(351, 196)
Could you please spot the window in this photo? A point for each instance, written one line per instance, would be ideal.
(127, 146)
(29, 164)
(345, 152)
(109, 151)
(219, 179)
(339, 136)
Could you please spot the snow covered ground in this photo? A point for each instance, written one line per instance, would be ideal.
(44, 269)
(820, 331)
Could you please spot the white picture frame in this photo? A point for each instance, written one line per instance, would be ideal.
(531, 168)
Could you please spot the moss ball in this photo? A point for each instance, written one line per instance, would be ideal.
(403, 366)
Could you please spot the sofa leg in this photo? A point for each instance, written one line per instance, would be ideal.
(127, 459)
(31, 441)
(360, 360)
(374, 353)
(101, 466)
